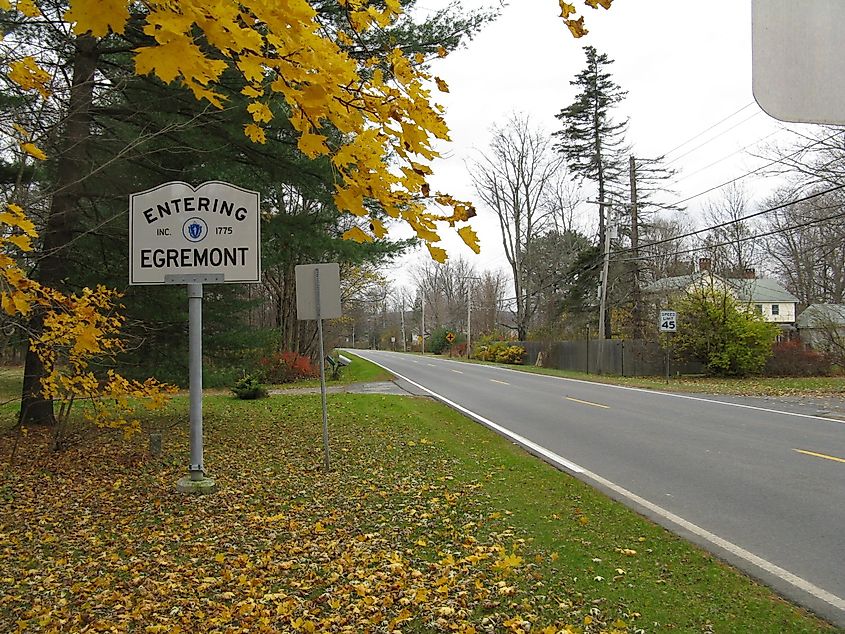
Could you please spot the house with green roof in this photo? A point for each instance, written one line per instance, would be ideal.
(766, 296)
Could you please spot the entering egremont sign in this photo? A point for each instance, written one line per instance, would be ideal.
(176, 230)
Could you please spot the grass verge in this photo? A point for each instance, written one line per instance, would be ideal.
(749, 386)
(427, 522)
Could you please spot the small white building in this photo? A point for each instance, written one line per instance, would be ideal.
(763, 295)
(767, 297)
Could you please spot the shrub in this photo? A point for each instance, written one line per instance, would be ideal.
(790, 358)
(286, 367)
(436, 341)
(500, 352)
(714, 330)
(248, 387)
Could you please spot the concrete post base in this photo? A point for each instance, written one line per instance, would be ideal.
(196, 487)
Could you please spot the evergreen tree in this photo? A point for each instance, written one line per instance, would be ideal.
(108, 132)
(592, 143)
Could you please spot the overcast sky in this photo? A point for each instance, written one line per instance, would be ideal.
(686, 66)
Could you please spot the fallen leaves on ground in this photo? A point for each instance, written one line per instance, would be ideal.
(96, 539)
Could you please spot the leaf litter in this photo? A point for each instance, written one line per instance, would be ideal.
(96, 539)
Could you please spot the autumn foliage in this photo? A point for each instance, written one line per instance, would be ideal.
(379, 102)
(77, 330)
(391, 540)
(376, 103)
(287, 366)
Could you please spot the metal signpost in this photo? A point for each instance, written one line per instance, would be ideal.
(668, 323)
(318, 298)
(180, 234)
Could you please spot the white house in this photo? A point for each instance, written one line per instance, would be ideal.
(765, 296)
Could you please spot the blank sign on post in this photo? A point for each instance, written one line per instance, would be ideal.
(798, 59)
(306, 291)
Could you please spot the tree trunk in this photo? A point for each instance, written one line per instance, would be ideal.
(71, 170)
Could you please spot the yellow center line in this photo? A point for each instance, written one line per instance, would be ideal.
(497, 381)
(820, 455)
(577, 400)
(458, 371)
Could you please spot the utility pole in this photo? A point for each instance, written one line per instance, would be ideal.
(404, 346)
(422, 320)
(604, 233)
(636, 313)
(469, 321)
(469, 315)
(609, 233)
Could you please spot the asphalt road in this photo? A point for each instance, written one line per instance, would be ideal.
(761, 488)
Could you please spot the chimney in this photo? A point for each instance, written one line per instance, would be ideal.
(703, 264)
(749, 274)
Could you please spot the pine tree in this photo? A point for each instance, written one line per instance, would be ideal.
(592, 143)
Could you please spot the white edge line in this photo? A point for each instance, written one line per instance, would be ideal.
(763, 564)
(646, 391)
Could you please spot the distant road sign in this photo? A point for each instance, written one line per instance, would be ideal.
(798, 59)
(450, 337)
(177, 231)
(668, 321)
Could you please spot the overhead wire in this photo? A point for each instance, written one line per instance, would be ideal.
(703, 132)
(596, 261)
(710, 140)
(727, 223)
(754, 171)
(727, 156)
(754, 236)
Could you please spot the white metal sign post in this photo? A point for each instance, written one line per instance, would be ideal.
(179, 234)
(318, 297)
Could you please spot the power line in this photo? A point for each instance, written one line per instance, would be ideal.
(710, 140)
(718, 123)
(738, 220)
(727, 156)
(596, 260)
(754, 171)
(754, 236)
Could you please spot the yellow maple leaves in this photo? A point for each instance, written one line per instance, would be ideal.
(34, 151)
(576, 26)
(27, 74)
(99, 17)
(386, 121)
(77, 329)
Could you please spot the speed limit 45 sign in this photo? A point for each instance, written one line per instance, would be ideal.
(668, 321)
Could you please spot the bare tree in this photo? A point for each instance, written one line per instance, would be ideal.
(444, 289)
(514, 178)
(662, 250)
(561, 199)
(807, 245)
(489, 291)
(815, 155)
(732, 251)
